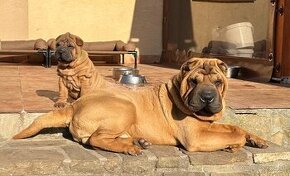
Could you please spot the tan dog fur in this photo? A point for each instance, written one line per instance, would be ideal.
(78, 76)
(114, 119)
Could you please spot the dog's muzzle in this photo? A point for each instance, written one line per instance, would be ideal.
(205, 102)
(63, 55)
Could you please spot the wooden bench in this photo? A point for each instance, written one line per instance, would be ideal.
(47, 54)
(25, 48)
(103, 53)
(44, 53)
(40, 47)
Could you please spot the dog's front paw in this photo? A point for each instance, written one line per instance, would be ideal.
(255, 141)
(133, 150)
(143, 143)
(233, 148)
(60, 104)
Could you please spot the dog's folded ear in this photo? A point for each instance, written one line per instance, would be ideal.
(223, 67)
(190, 64)
(77, 39)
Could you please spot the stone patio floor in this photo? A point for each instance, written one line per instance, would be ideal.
(27, 91)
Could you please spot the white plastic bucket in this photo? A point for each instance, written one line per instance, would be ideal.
(245, 53)
(239, 34)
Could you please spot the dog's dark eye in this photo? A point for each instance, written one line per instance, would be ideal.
(192, 82)
(218, 83)
(57, 45)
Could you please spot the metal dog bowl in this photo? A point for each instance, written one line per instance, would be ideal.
(118, 72)
(233, 71)
(133, 79)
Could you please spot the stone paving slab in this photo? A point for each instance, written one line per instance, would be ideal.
(60, 156)
(169, 157)
(273, 153)
(218, 157)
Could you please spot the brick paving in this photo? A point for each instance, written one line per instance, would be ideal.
(34, 88)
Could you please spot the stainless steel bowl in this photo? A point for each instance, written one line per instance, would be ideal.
(133, 79)
(233, 71)
(117, 72)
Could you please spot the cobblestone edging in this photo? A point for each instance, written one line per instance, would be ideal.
(54, 155)
(271, 124)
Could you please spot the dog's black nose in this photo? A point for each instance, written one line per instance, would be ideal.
(207, 95)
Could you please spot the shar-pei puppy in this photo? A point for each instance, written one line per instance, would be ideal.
(179, 112)
(77, 74)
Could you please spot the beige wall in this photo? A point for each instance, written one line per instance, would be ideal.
(13, 19)
(214, 15)
(92, 20)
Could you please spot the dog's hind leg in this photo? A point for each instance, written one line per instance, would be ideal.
(57, 118)
(117, 144)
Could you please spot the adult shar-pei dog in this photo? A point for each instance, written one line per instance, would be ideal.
(77, 74)
(180, 112)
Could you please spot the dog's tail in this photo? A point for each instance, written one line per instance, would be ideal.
(56, 118)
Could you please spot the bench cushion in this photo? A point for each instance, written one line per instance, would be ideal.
(24, 45)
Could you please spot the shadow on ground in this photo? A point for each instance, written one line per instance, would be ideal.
(52, 95)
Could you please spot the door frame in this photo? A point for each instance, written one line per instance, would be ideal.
(281, 40)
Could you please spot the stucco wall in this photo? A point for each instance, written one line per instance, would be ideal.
(13, 19)
(93, 20)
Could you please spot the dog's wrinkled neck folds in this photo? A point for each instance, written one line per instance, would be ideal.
(173, 93)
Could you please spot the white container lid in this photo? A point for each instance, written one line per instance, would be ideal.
(242, 24)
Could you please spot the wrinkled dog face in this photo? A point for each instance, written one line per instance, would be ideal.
(67, 48)
(203, 87)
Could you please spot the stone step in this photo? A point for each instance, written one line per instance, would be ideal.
(52, 154)
(47, 155)
(271, 124)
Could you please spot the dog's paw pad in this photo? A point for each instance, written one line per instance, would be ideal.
(133, 151)
(265, 146)
(259, 143)
(144, 144)
(60, 105)
(233, 148)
